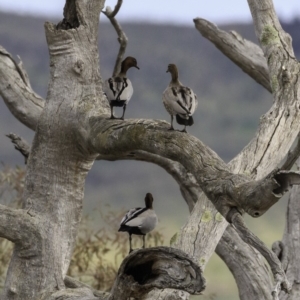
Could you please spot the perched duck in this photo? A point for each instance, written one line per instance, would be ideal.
(179, 100)
(139, 220)
(118, 89)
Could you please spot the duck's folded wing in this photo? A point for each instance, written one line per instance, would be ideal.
(193, 102)
(117, 88)
(131, 214)
(172, 100)
(178, 99)
(127, 91)
(146, 221)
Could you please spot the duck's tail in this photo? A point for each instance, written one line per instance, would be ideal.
(188, 121)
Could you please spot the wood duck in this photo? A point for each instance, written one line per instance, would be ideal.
(118, 89)
(139, 221)
(179, 100)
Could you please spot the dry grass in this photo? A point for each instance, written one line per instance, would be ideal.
(97, 254)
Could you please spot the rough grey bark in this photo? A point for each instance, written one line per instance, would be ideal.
(288, 249)
(233, 251)
(17, 94)
(159, 267)
(20, 145)
(73, 131)
(247, 55)
(285, 80)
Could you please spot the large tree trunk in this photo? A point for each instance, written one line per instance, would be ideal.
(72, 130)
(59, 161)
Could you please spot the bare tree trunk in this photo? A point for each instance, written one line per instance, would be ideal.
(59, 160)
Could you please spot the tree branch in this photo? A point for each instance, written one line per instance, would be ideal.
(223, 188)
(288, 249)
(111, 14)
(247, 55)
(270, 33)
(20, 145)
(292, 156)
(16, 92)
(245, 267)
(187, 183)
(122, 38)
(280, 277)
(19, 227)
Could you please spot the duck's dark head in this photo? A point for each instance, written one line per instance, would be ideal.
(129, 62)
(149, 200)
(172, 68)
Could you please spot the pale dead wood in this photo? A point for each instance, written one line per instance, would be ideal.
(72, 283)
(160, 267)
(288, 249)
(292, 156)
(19, 227)
(16, 92)
(248, 271)
(79, 69)
(122, 38)
(247, 236)
(20, 145)
(247, 55)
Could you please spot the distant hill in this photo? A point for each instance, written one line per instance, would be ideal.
(230, 104)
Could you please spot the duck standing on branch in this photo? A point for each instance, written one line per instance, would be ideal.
(179, 100)
(139, 221)
(118, 89)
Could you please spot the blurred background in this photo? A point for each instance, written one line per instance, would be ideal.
(230, 102)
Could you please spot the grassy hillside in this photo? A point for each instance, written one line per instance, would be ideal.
(230, 104)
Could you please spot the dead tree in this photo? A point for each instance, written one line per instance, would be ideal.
(72, 130)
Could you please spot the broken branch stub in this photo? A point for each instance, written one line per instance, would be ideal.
(256, 197)
(160, 267)
(20, 145)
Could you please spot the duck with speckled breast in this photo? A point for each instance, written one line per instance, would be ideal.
(179, 100)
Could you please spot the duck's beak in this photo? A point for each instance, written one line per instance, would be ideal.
(167, 71)
(137, 67)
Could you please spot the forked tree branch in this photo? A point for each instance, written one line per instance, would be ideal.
(17, 226)
(122, 38)
(224, 189)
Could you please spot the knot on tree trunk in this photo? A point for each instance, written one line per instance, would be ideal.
(160, 267)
